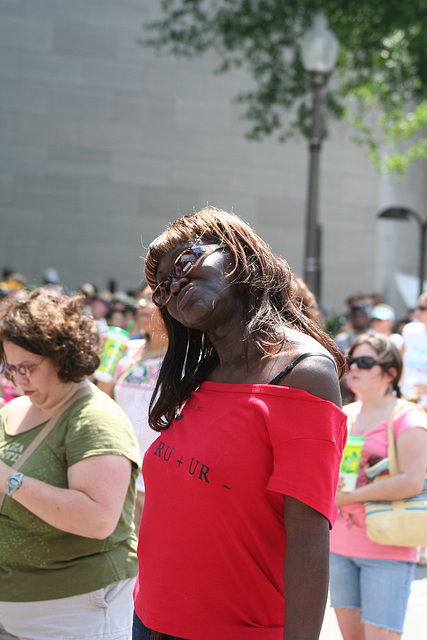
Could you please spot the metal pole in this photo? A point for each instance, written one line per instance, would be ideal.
(423, 230)
(312, 257)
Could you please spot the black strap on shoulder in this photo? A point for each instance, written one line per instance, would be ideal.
(293, 364)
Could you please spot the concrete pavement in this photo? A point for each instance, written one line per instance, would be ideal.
(416, 617)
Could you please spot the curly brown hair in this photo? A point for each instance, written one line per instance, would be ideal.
(263, 282)
(54, 325)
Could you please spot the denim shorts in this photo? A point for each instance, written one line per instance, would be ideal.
(380, 588)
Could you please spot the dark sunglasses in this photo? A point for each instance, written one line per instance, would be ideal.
(362, 362)
(181, 267)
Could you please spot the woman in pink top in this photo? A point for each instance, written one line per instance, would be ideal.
(370, 582)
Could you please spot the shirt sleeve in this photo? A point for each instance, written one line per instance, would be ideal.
(100, 427)
(407, 418)
(308, 441)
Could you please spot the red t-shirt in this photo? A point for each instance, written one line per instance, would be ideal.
(212, 539)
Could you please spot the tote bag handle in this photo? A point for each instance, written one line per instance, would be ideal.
(391, 446)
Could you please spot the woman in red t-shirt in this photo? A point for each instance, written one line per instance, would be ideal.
(240, 484)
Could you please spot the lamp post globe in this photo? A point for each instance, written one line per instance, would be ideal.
(319, 47)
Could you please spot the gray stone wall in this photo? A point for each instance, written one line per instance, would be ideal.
(103, 143)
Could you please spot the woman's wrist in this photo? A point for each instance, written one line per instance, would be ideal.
(347, 497)
(14, 482)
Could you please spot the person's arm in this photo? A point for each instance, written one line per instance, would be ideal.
(92, 504)
(412, 455)
(306, 572)
(306, 575)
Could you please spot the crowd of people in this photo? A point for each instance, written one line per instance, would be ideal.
(240, 404)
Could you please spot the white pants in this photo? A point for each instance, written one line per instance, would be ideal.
(104, 614)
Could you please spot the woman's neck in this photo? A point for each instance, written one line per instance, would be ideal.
(60, 398)
(374, 402)
(23, 415)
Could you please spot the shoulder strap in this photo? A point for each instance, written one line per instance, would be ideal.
(293, 364)
(350, 419)
(391, 445)
(83, 391)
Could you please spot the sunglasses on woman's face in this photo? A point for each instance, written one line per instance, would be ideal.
(362, 362)
(181, 267)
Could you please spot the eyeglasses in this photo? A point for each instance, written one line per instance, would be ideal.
(181, 267)
(362, 362)
(421, 308)
(24, 370)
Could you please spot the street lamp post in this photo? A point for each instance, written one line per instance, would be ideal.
(319, 50)
(402, 213)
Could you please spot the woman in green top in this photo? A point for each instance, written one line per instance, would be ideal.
(67, 547)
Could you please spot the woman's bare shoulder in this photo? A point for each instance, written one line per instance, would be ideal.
(316, 373)
(17, 415)
(18, 405)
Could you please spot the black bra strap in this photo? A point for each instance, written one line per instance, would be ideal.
(297, 361)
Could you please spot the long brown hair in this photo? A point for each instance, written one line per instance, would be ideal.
(265, 286)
